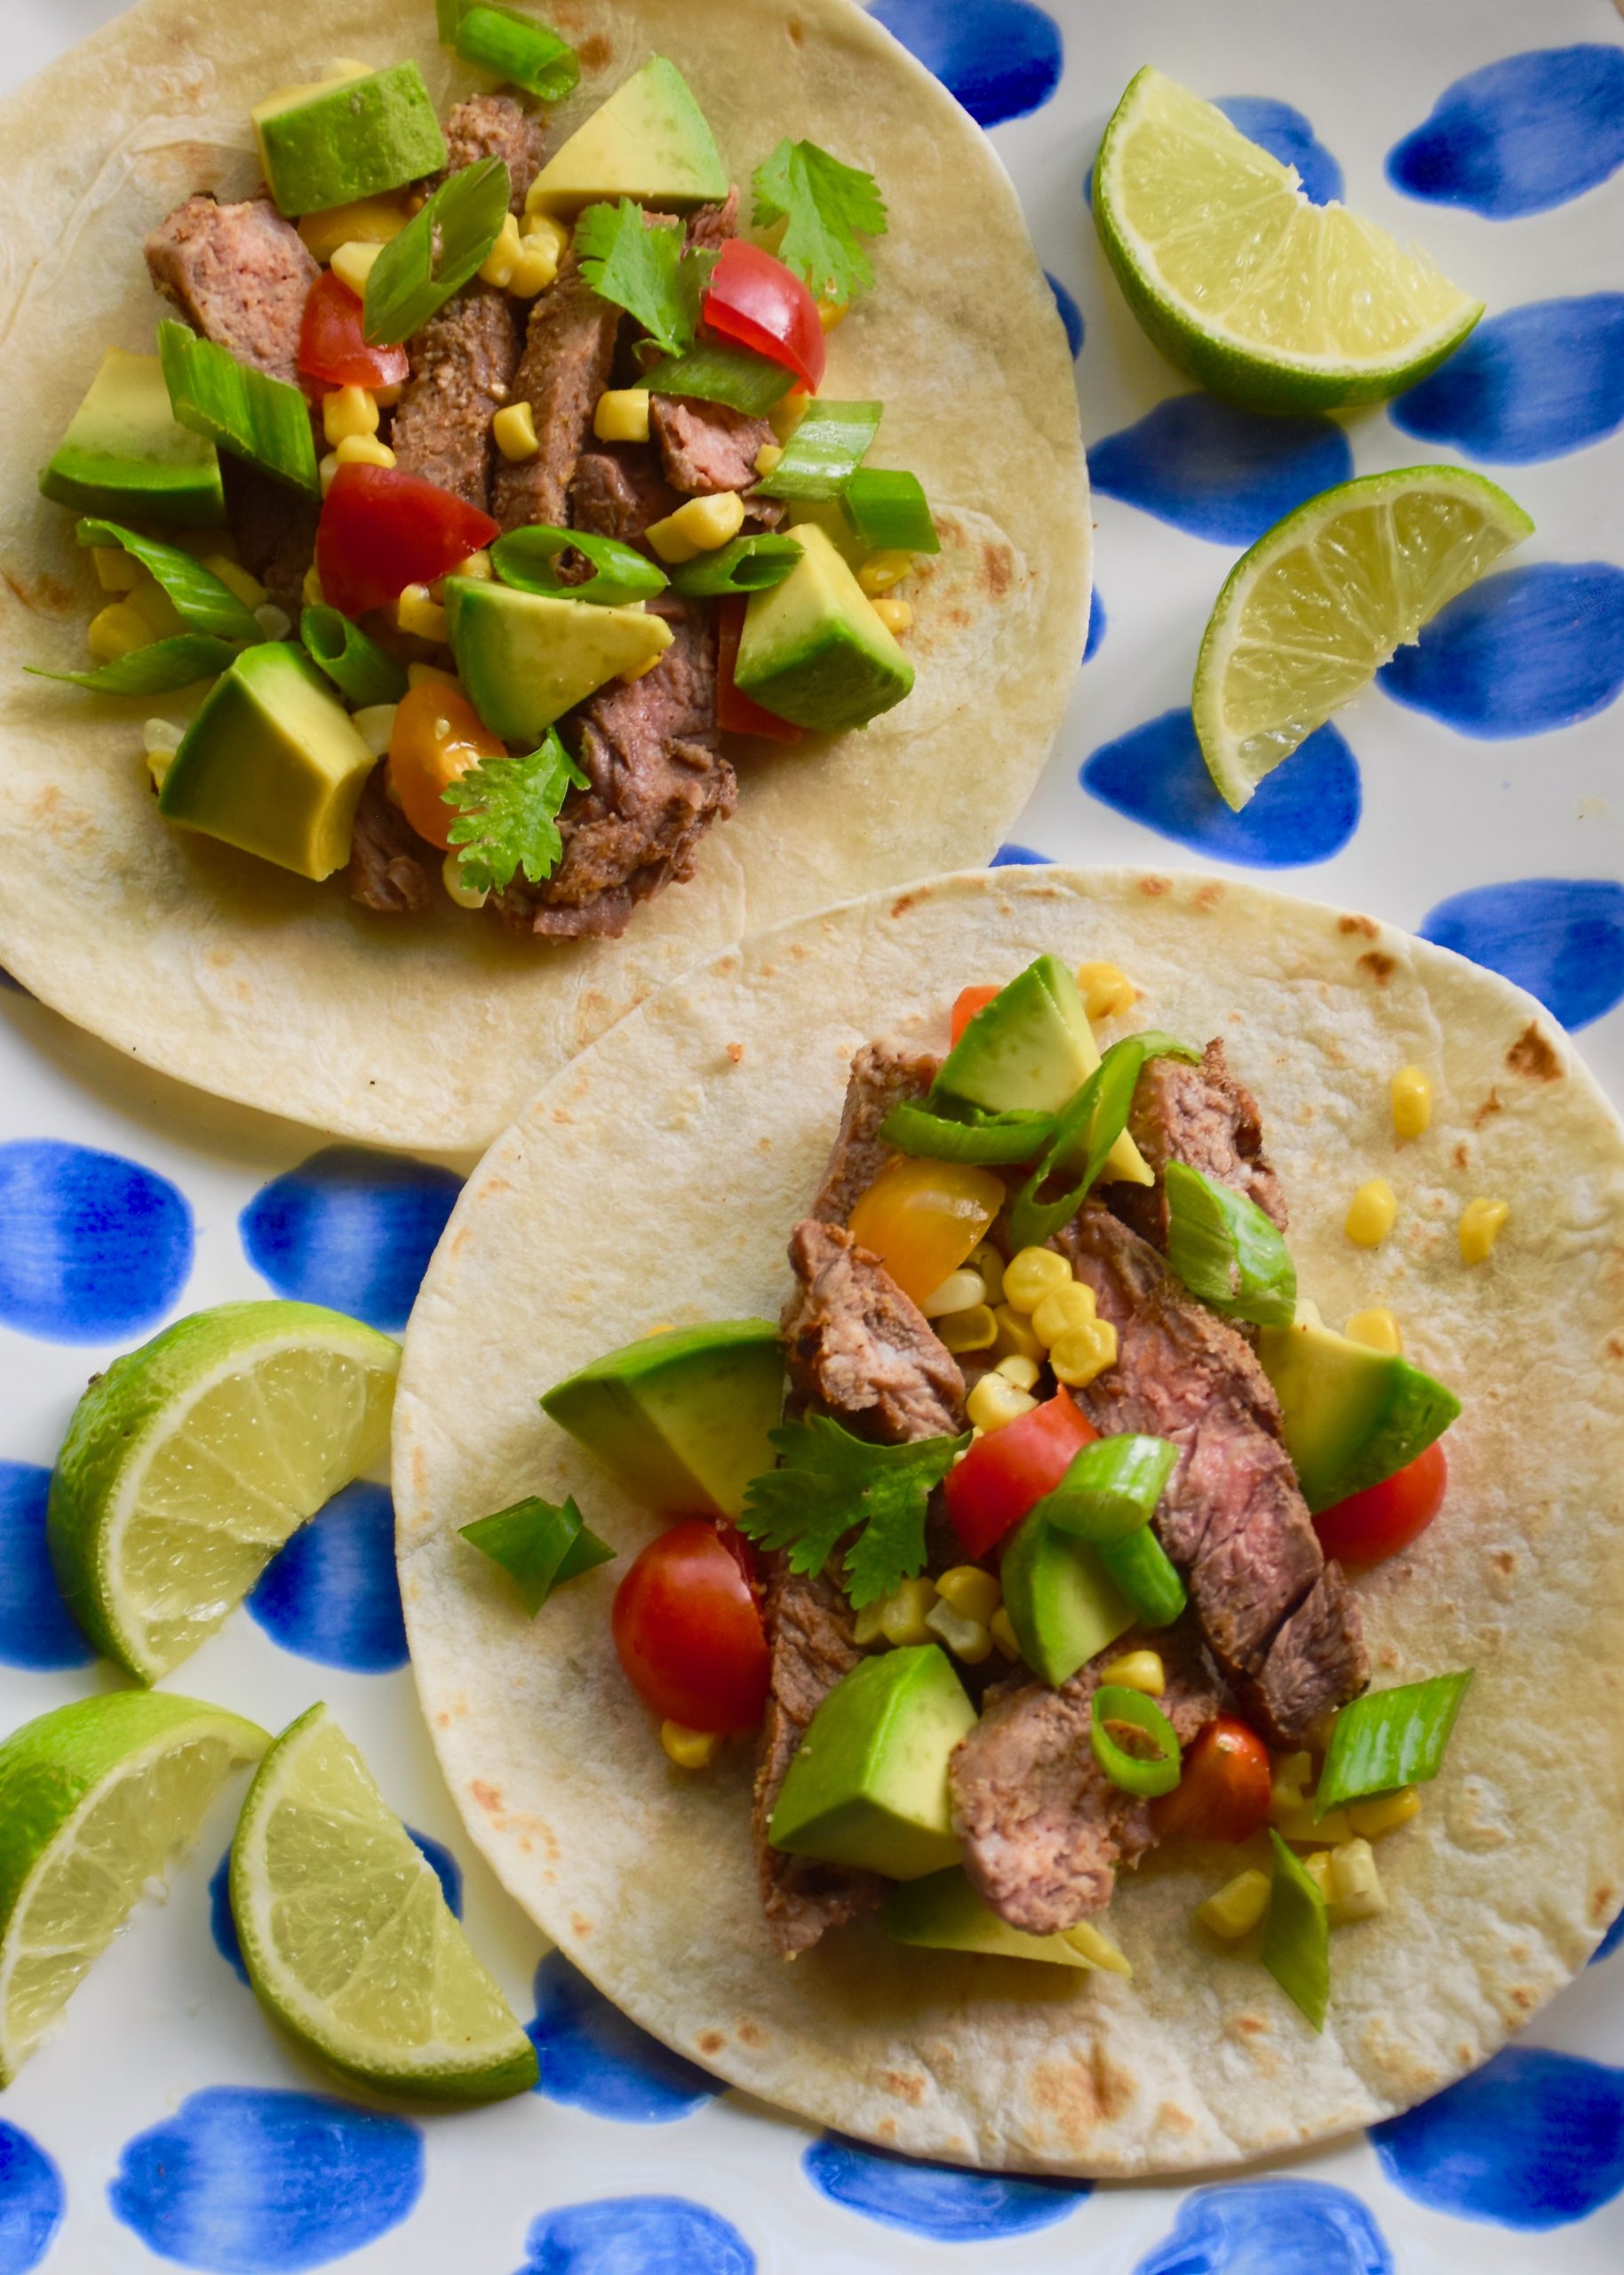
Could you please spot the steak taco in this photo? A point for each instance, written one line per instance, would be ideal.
(504, 455)
(1050, 1589)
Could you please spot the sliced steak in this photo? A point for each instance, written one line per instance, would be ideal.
(856, 1346)
(1043, 1827)
(569, 353)
(238, 273)
(707, 447)
(1317, 1661)
(883, 1075)
(710, 226)
(1202, 1116)
(493, 126)
(389, 869)
(275, 528)
(617, 491)
(461, 368)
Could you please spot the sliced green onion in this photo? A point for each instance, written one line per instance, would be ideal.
(204, 602)
(969, 1134)
(1143, 1571)
(1226, 1251)
(1146, 1775)
(889, 512)
(824, 451)
(620, 573)
(717, 374)
(361, 671)
(247, 413)
(1086, 1129)
(156, 669)
(1390, 1738)
(410, 279)
(1296, 1938)
(750, 564)
(518, 49)
(539, 1545)
(1111, 1488)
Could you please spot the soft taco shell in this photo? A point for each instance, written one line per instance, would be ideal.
(657, 1179)
(432, 1031)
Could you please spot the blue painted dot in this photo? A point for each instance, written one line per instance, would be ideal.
(1096, 624)
(244, 2181)
(223, 1925)
(1000, 59)
(1306, 810)
(1071, 315)
(1018, 856)
(333, 1593)
(1533, 383)
(1609, 1941)
(1533, 2141)
(1520, 135)
(1560, 937)
(1522, 652)
(635, 2235)
(91, 1246)
(37, 1628)
(1282, 130)
(31, 2201)
(1248, 2227)
(592, 2056)
(940, 2201)
(1217, 471)
(350, 1228)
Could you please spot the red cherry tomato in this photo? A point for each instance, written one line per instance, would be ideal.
(968, 1002)
(1007, 1472)
(1385, 1518)
(737, 713)
(332, 346)
(1224, 1793)
(382, 530)
(688, 1633)
(757, 302)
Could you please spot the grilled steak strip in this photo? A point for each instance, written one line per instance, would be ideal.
(275, 528)
(461, 368)
(493, 126)
(709, 227)
(707, 447)
(238, 273)
(618, 490)
(1202, 1116)
(856, 1346)
(883, 1075)
(569, 352)
(389, 868)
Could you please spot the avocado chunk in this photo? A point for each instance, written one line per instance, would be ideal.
(812, 650)
(271, 763)
(648, 141)
(1062, 1604)
(126, 456)
(868, 1783)
(1350, 1416)
(349, 138)
(681, 1417)
(527, 657)
(944, 1913)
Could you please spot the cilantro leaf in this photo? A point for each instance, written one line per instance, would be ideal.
(539, 1545)
(508, 816)
(828, 1481)
(643, 268)
(826, 206)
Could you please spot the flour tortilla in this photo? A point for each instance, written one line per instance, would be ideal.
(432, 1031)
(657, 1180)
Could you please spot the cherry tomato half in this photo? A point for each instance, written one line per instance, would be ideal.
(966, 1003)
(382, 530)
(737, 713)
(1385, 1518)
(1008, 1472)
(1224, 1790)
(332, 346)
(688, 1633)
(757, 302)
(437, 735)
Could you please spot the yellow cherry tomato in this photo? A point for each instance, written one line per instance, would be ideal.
(923, 1218)
(437, 737)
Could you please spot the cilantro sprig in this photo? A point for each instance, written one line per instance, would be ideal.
(647, 270)
(827, 1483)
(539, 1545)
(508, 812)
(826, 207)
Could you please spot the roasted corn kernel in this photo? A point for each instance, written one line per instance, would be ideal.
(1138, 1671)
(1481, 1221)
(1318, 1869)
(622, 415)
(700, 526)
(1024, 1373)
(1412, 1095)
(416, 675)
(116, 630)
(1001, 1628)
(832, 311)
(148, 599)
(766, 457)
(476, 565)
(513, 427)
(1082, 1352)
(1355, 1892)
(973, 1593)
(465, 896)
(1377, 1328)
(975, 1329)
(498, 265)
(349, 410)
(1298, 1824)
(375, 727)
(1371, 1213)
(967, 1639)
(275, 622)
(994, 1401)
(1015, 1338)
(310, 591)
(1069, 1308)
(116, 570)
(416, 613)
(1097, 1948)
(1031, 1274)
(236, 579)
(958, 1292)
(352, 264)
(160, 740)
(990, 1264)
(902, 1614)
(535, 266)
(1384, 1813)
(1106, 992)
(1236, 1908)
(881, 570)
(896, 616)
(368, 220)
(689, 1749)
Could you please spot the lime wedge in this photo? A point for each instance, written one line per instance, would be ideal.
(1322, 599)
(1276, 303)
(95, 1799)
(347, 1939)
(187, 1465)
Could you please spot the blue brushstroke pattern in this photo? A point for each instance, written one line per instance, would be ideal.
(31, 2201)
(1018, 856)
(1520, 135)
(1264, 2227)
(1533, 2141)
(1000, 59)
(1283, 131)
(93, 1246)
(350, 1228)
(1522, 652)
(1097, 622)
(37, 1628)
(940, 2201)
(333, 1593)
(223, 1925)
(1609, 1941)
(246, 2181)
(593, 2057)
(1560, 937)
(1216, 472)
(1071, 315)
(635, 2235)
(1532, 383)
(1306, 810)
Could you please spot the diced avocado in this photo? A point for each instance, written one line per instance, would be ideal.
(125, 455)
(649, 141)
(1351, 1416)
(868, 1783)
(1062, 1603)
(271, 763)
(349, 138)
(681, 1417)
(526, 657)
(812, 650)
(945, 1913)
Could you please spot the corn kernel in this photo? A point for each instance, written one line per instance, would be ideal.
(1237, 1906)
(622, 415)
(1318, 1869)
(1138, 1671)
(766, 457)
(787, 413)
(375, 727)
(1384, 1812)
(1034, 1274)
(1377, 1328)
(1289, 1785)
(1001, 1628)
(1098, 1950)
(476, 565)
(994, 1401)
(975, 1329)
(498, 265)
(881, 570)
(1067, 1309)
(114, 630)
(1371, 1213)
(1024, 1373)
(534, 267)
(1106, 992)
(417, 675)
(1082, 1352)
(698, 527)
(896, 616)
(386, 398)
(514, 428)
(148, 599)
(1357, 1892)
(1480, 1227)
(902, 1614)
(832, 311)
(351, 264)
(1323, 1729)
(416, 613)
(1411, 1096)
(865, 1627)
(958, 1292)
(990, 1264)
(347, 411)
(689, 1749)
(967, 1639)
(116, 570)
(640, 671)
(1298, 1824)
(1014, 1338)
(275, 622)
(973, 1593)
(310, 591)
(328, 470)
(465, 896)
(369, 220)
(236, 579)
(160, 740)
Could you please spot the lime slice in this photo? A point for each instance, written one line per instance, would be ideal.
(1269, 300)
(1321, 602)
(347, 1939)
(95, 1799)
(189, 1461)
